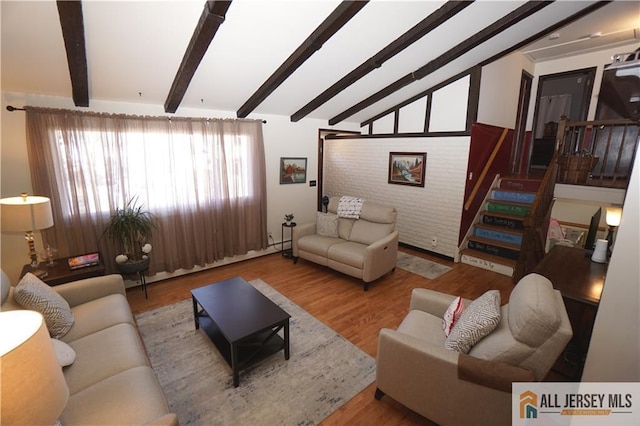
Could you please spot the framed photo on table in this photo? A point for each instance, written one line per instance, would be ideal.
(293, 170)
(407, 168)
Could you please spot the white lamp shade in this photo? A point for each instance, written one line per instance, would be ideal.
(614, 214)
(34, 391)
(21, 214)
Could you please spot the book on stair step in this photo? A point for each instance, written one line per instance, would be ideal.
(84, 261)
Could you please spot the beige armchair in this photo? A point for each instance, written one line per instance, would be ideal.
(448, 387)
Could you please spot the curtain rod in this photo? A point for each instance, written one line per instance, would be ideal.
(11, 108)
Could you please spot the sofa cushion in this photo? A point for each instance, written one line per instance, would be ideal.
(366, 232)
(344, 227)
(65, 353)
(327, 224)
(533, 311)
(378, 213)
(132, 397)
(103, 354)
(349, 253)
(478, 320)
(35, 295)
(97, 315)
(317, 244)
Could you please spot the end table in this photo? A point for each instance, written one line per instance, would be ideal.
(288, 253)
(60, 272)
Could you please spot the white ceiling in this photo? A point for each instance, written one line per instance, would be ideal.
(134, 48)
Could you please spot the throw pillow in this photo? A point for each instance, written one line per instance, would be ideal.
(327, 224)
(65, 353)
(35, 295)
(452, 315)
(476, 321)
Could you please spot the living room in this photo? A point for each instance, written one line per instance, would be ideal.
(437, 206)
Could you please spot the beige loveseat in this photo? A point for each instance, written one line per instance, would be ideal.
(110, 381)
(364, 248)
(415, 368)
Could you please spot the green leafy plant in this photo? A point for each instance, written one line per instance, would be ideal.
(130, 228)
(288, 217)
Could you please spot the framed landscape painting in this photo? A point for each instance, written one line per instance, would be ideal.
(407, 168)
(293, 170)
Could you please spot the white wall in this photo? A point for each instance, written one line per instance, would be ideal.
(282, 138)
(359, 167)
(499, 90)
(614, 351)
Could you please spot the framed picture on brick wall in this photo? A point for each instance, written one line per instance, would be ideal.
(407, 168)
(293, 170)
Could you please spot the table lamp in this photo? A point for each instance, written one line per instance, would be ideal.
(26, 214)
(614, 214)
(34, 391)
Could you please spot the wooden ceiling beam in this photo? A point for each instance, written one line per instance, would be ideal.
(438, 17)
(497, 27)
(213, 15)
(331, 25)
(72, 24)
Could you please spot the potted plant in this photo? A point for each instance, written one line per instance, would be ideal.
(131, 228)
(288, 218)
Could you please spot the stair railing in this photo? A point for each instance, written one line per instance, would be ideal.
(536, 222)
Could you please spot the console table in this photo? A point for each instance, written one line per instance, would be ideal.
(580, 281)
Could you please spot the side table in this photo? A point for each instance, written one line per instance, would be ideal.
(288, 253)
(60, 273)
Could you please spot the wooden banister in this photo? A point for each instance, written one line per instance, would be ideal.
(486, 168)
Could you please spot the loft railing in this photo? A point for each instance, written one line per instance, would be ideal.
(596, 153)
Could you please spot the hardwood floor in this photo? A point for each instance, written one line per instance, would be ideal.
(340, 302)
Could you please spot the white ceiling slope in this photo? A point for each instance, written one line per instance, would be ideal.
(134, 48)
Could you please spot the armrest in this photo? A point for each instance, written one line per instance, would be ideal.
(380, 257)
(82, 291)
(299, 232)
(492, 374)
(431, 301)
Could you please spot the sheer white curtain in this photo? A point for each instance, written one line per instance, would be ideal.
(203, 178)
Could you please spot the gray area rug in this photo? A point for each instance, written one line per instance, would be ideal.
(324, 371)
(420, 266)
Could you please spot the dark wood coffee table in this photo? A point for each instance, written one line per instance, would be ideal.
(242, 322)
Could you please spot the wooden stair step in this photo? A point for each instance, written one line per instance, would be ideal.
(499, 228)
(507, 246)
(531, 185)
(491, 258)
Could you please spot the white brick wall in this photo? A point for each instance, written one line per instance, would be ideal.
(359, 167)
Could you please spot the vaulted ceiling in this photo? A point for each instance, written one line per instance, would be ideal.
(326, 59)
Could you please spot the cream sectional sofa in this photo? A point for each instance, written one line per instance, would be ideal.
(364, 248)
(111, 381)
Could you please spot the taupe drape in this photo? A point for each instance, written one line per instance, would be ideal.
(203, 178)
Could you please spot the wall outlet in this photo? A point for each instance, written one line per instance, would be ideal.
(434, 241)
(270, 235)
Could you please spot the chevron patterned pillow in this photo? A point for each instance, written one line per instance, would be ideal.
(479, 319)
(35, 295)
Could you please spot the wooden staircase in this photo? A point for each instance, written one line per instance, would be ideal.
(496, 239)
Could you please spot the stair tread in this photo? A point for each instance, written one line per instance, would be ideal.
(503, 215)
(521, 191)
(499, 228)
(494, 243)
(512, 203)
(489, 257)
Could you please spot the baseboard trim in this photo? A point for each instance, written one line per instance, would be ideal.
(425, 251)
